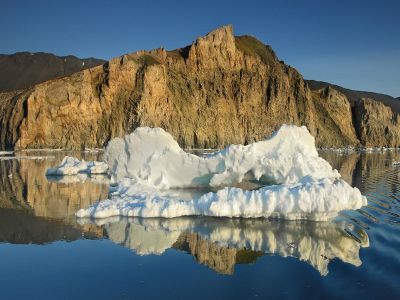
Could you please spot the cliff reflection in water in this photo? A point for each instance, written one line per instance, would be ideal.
(221, 243)
(36, 209)
(365, 170)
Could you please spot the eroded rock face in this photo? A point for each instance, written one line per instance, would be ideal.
(219, 90)
(376, 124)
(333, 119)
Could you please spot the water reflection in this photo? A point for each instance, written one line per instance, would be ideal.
(22, 227)
(36, 209)
(220, 243)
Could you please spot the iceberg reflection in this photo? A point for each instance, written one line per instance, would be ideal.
(222, 243)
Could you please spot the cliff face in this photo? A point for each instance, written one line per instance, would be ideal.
(334, 119)
(353, 96)
(219, 90)
(376, 124)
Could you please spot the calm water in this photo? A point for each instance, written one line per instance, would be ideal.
(46, 253)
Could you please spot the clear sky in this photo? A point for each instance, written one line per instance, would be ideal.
(355, 44)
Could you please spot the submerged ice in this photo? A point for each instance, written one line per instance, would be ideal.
(150, 170)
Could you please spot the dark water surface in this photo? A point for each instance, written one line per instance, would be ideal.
(45, 253)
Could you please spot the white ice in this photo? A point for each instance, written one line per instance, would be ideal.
(72, 166)
(153, 156)
(96, 167)
(2, 153)
(148, 166)
(314, 200)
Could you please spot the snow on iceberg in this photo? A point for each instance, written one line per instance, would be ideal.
(309, 199)
(153, 156)
(97, 167)
(150, 169)
(72, 166)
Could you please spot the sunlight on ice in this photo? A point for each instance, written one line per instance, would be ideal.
(150, 168)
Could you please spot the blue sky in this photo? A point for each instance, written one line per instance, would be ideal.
(355, 44)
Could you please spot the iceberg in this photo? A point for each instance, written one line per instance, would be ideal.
(151, 173)
(153, 156)
(318, 200)
(72, 166)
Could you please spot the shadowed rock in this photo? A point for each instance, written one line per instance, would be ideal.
(24, 69)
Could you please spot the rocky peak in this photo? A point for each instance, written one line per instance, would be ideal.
(216, 49)
(220, 90)
(222, 36)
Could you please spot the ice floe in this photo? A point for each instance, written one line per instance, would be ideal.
(72, 166)
(2, 153)
(150, 170)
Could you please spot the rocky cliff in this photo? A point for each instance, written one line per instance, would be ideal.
(353, 96)
(219, 90)
(376, 124)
